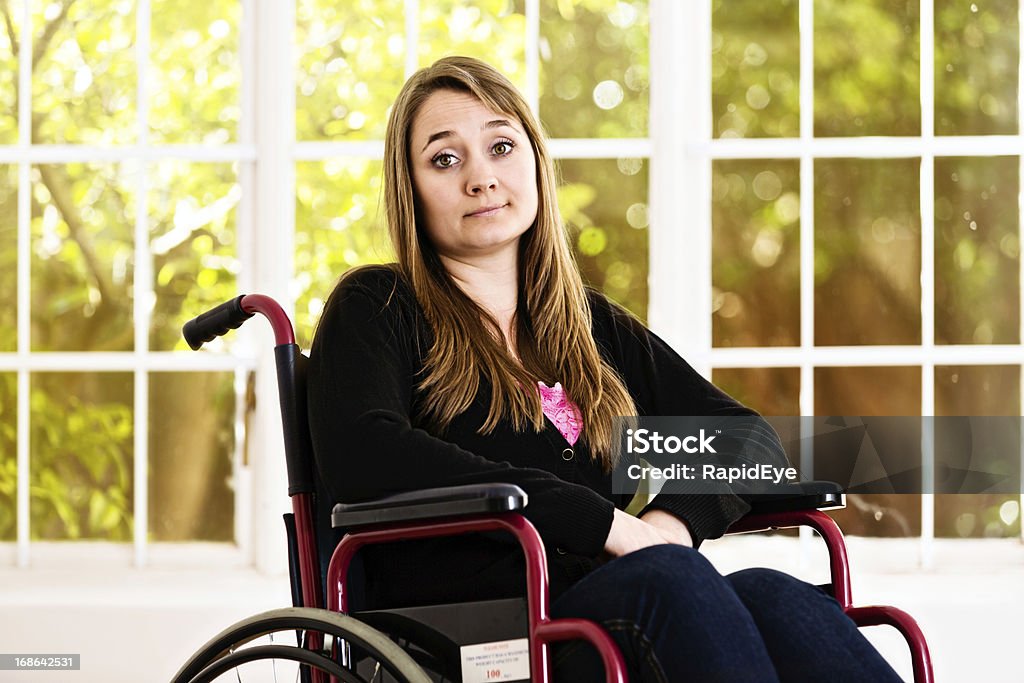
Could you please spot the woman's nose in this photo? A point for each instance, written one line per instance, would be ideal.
(481, 178)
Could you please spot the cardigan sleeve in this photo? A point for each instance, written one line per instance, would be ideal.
(663, 383)
(361, 388)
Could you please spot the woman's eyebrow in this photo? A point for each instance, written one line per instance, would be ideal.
(495, 123)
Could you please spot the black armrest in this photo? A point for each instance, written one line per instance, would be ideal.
(805, 495)
(451, 501)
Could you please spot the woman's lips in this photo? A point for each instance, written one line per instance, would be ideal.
(486, 211)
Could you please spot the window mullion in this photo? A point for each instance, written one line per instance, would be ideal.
(1020, 235)
(679, 194)
(806, 400)
(533, 55)
(927, 208)
(247, 241)
(24, 279)
(275, 226)
(142, 285)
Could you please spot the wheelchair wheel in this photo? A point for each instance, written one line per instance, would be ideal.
(237, 648)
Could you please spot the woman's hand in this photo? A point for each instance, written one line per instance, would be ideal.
(629, 534)
(674, 529)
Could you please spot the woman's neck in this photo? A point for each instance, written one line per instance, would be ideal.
(494, 286)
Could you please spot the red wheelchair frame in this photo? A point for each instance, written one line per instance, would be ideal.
(542, 629)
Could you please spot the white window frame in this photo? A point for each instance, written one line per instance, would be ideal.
(141, 361)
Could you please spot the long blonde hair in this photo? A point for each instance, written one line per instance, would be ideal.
(552, 321)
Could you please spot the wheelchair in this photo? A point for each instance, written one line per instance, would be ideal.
(508, 639)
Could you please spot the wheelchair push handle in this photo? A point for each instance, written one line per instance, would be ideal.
(230, 315)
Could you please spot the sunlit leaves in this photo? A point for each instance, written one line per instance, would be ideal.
(755, 253)
(84, 85)
(350, 66)
(81, 451)
(594, 68)
(597, 200)
(193, 222)
(8, 258)
(755, 68)
(194, 78)
(339, 223)
(8, 455)
(866, 53)
(83, 256)
(977, 250)
(976, 61)
(492, 30)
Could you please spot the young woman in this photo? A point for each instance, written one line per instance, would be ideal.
(480, 356)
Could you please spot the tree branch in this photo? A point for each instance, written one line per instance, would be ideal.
(39, 48)
(76, 227)
(11, 34)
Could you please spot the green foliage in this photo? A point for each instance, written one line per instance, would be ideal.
(755, 68)
(491, 30)
(84, 79)
(82, 247)
(8, 258)
(8, 457)
(865, 53)
(756, 253)
(594, 68)
(350, 67)
(193, 227)
(977, 251)
(976, 61)
(195, 72)
(81, 445)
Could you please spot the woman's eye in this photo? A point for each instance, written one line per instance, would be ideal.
(444, 160)
(503, 147)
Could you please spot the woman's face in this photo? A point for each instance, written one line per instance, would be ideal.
(474, 175)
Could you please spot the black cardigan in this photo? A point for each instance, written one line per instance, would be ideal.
(364, 363)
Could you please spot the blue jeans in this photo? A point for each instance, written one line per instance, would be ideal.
(676, 619)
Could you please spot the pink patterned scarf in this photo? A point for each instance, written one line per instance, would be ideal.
(562, 412)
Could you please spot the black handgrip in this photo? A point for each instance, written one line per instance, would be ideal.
(215, 322)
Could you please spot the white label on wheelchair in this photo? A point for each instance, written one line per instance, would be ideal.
(502, 660)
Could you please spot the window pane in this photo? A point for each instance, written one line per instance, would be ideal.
(81, 456)
(979, 391)
(977, 251)
(594, 68)
(492, 30)
(339, 219)
(769, 391)
(604, 202)
(755, 68)
(866, 54)
(867, 392)
(11, 16)
(756, 253)
(84, 84)
(976, 62)
(867, 252)
(193, 218)
(191, 443)
(8, 455)
(195, 72)
(351, 63)
(8, 258)
(82, 235)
